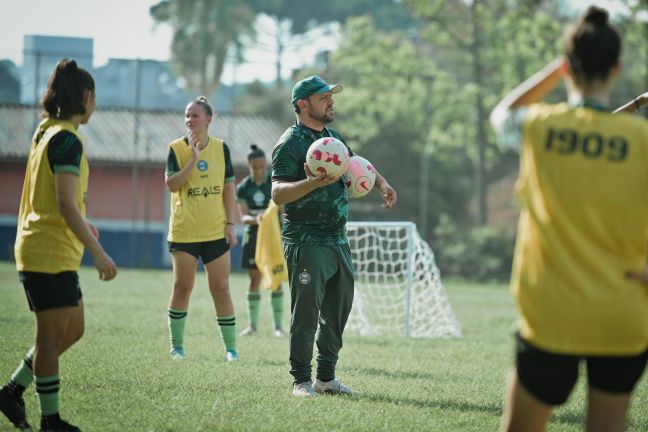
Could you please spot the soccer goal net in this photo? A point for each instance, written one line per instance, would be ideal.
(398, 289)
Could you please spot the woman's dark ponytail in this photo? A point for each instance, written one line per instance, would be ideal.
(66, 87)
(592, 46)
(255, 152)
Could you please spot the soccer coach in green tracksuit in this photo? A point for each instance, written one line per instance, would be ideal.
(320, 270)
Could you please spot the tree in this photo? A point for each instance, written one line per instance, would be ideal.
(204, 31)
(381, 111)
(295, 18)
(479, 41)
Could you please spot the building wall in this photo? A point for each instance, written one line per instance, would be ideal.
(118, 193)
(133, 226)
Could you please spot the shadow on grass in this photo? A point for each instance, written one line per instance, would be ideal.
(568, 418)
(579, 419)
(491, 408)
(265, 362)
(394, 373)
(494, 408)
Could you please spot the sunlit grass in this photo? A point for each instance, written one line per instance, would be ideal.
(119, 376)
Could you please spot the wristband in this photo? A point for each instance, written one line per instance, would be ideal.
(229, 223)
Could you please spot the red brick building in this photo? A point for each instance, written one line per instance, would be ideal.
(127, 197)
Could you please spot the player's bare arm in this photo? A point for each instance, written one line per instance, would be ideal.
(229, 201)
(634, 105)
(284, 192)
(175, 181)
(66, 190)
(388, 193)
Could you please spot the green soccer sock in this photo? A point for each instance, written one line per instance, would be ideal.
(227, 326)
(277, 301)
(48, 394)
(177, 320)
(23, 376)
(254, 300)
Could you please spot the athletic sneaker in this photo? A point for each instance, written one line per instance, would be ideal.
(14, 409)
(54, 423)
(231, 356)
(178, 353)
(334, 387)
(304, 389)
(248, 331)
(279, 333)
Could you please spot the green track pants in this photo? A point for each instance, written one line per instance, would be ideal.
(321, 288)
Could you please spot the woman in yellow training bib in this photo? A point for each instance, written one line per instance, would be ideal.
(582, 236)
(200, 177)
(52, 232)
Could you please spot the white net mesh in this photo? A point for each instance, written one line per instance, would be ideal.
(398, 289)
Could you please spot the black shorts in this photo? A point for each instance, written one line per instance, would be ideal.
(551, 377)
(208, 251)
(51, 290)
(249, 251)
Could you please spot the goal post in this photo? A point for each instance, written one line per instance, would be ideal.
(398, 289)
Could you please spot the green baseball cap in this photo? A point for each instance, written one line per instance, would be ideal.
(312, 85)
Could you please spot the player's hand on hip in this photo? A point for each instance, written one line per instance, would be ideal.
(105, 266)
(319, 180)
(389, 196)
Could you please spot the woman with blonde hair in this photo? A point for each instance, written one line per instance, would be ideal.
(200, 177)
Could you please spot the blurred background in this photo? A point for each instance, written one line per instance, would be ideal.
(420, 78)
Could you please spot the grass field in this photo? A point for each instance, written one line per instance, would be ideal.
(119, 376)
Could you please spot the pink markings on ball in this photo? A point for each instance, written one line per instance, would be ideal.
(321, 170)
(317, 155)
(335, 158)
(355, 167)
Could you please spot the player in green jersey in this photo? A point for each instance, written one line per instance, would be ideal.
(315, 243)
(253, 194)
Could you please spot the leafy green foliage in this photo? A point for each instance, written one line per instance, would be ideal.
(262, 99)
(480, 253)
(304, 15)
(203, 33)
(390, 74)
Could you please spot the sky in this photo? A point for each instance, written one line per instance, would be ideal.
(124, 29)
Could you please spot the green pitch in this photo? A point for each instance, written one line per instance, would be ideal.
(119, 376)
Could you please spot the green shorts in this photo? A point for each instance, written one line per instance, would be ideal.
(249, 251)
(51, 290)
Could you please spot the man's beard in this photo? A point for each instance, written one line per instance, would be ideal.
(324, 118)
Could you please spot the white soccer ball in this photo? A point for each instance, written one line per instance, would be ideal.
(359, 177)
(328, 156)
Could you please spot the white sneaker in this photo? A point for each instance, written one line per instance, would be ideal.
(248, 331)
(304, 389)
(279, 333)
(177, 353)
(334, 387)
(231, 356)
